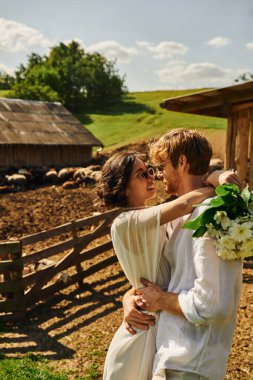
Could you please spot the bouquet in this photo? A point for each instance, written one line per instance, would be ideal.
(229, 219)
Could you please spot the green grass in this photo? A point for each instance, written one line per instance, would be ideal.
(3, 93)
(31, 367)
(140, 117)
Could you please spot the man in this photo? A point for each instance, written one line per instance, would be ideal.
(198, 312)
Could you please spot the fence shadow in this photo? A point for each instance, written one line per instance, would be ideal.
(65, 313)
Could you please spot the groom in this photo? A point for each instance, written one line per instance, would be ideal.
(198, 311)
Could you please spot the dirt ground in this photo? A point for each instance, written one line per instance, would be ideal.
(75, 327)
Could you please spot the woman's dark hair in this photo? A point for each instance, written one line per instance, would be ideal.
(115, 178)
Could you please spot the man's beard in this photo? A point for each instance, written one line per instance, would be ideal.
(171, 188)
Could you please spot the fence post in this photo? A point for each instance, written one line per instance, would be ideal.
(12, 288)
(79, 268)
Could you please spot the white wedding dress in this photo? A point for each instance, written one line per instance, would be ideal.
(139, 241)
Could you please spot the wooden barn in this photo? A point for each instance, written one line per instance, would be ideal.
(35, 133)
(234, 103)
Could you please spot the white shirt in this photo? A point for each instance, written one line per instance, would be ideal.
(209, 292)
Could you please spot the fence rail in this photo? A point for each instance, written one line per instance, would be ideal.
(20, 291)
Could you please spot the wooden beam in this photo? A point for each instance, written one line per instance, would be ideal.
(242, 144)
(251, 150)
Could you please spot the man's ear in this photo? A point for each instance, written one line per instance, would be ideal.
(182, 162)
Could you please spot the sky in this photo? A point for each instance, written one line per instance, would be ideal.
(155, 44)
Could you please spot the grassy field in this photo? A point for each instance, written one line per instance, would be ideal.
(140, 117)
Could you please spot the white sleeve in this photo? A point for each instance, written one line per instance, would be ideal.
(213, 296)
(138, 240)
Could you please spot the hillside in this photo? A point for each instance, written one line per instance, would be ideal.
(140, 117)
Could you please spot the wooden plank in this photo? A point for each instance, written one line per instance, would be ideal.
(9, 247)
(251, 151)
(31, 239)
(30, 278)
(242, 144)
(240, 107)
(52, 289)
(10, 266)
(48, 252)
(231, 96)
(109, 215)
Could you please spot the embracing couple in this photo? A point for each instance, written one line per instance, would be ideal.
(180, 324)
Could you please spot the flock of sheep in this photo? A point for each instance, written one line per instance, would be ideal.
(68, 178)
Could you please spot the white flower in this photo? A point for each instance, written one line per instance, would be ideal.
(213, 231)
(226, 243)
(241, 232)
(221, 218)
(247, 248)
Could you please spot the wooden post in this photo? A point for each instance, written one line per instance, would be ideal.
(14, 288)
(242, 144)
(79, 268)
(251, 149)
(231, 142)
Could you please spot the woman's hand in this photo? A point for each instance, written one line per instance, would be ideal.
(219, 177)
(133, 318)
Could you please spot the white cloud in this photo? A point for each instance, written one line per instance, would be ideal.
(16, 37)
(218, 41)
(249, 45)
(114, 50)
(182, 75)
(165, 49)
(6, 69)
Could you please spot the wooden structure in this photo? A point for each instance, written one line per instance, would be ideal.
(234, 103)
(20, 292)
(34, 133)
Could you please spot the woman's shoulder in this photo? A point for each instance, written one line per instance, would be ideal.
(136, 216)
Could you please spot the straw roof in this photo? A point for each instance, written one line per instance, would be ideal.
(218, 102)
(41, 123)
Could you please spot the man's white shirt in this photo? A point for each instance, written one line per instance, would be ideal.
(209, 291)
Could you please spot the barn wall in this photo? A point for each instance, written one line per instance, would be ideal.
(19, 156)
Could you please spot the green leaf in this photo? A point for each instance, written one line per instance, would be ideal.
(226, 189)
(200, 232)
(245, 194)
(217, 202)
(193, 224)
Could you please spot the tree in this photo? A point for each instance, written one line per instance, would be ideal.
(71, 76)
(6, 81)
(244, 77)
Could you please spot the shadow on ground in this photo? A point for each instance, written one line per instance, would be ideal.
(51, 322)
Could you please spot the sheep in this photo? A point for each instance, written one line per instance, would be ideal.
(16, 180)
(51, 176)
(70, 185)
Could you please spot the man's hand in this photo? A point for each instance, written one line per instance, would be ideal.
(219, 177)
(153, 298)
(149, 297)
(134, 318)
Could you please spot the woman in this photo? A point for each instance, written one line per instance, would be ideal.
(139, 236)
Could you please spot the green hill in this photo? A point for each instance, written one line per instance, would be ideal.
(140, 117)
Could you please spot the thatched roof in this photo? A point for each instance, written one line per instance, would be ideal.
(41, 123)
(219, 102)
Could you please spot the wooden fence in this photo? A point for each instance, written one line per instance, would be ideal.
(20, 292)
